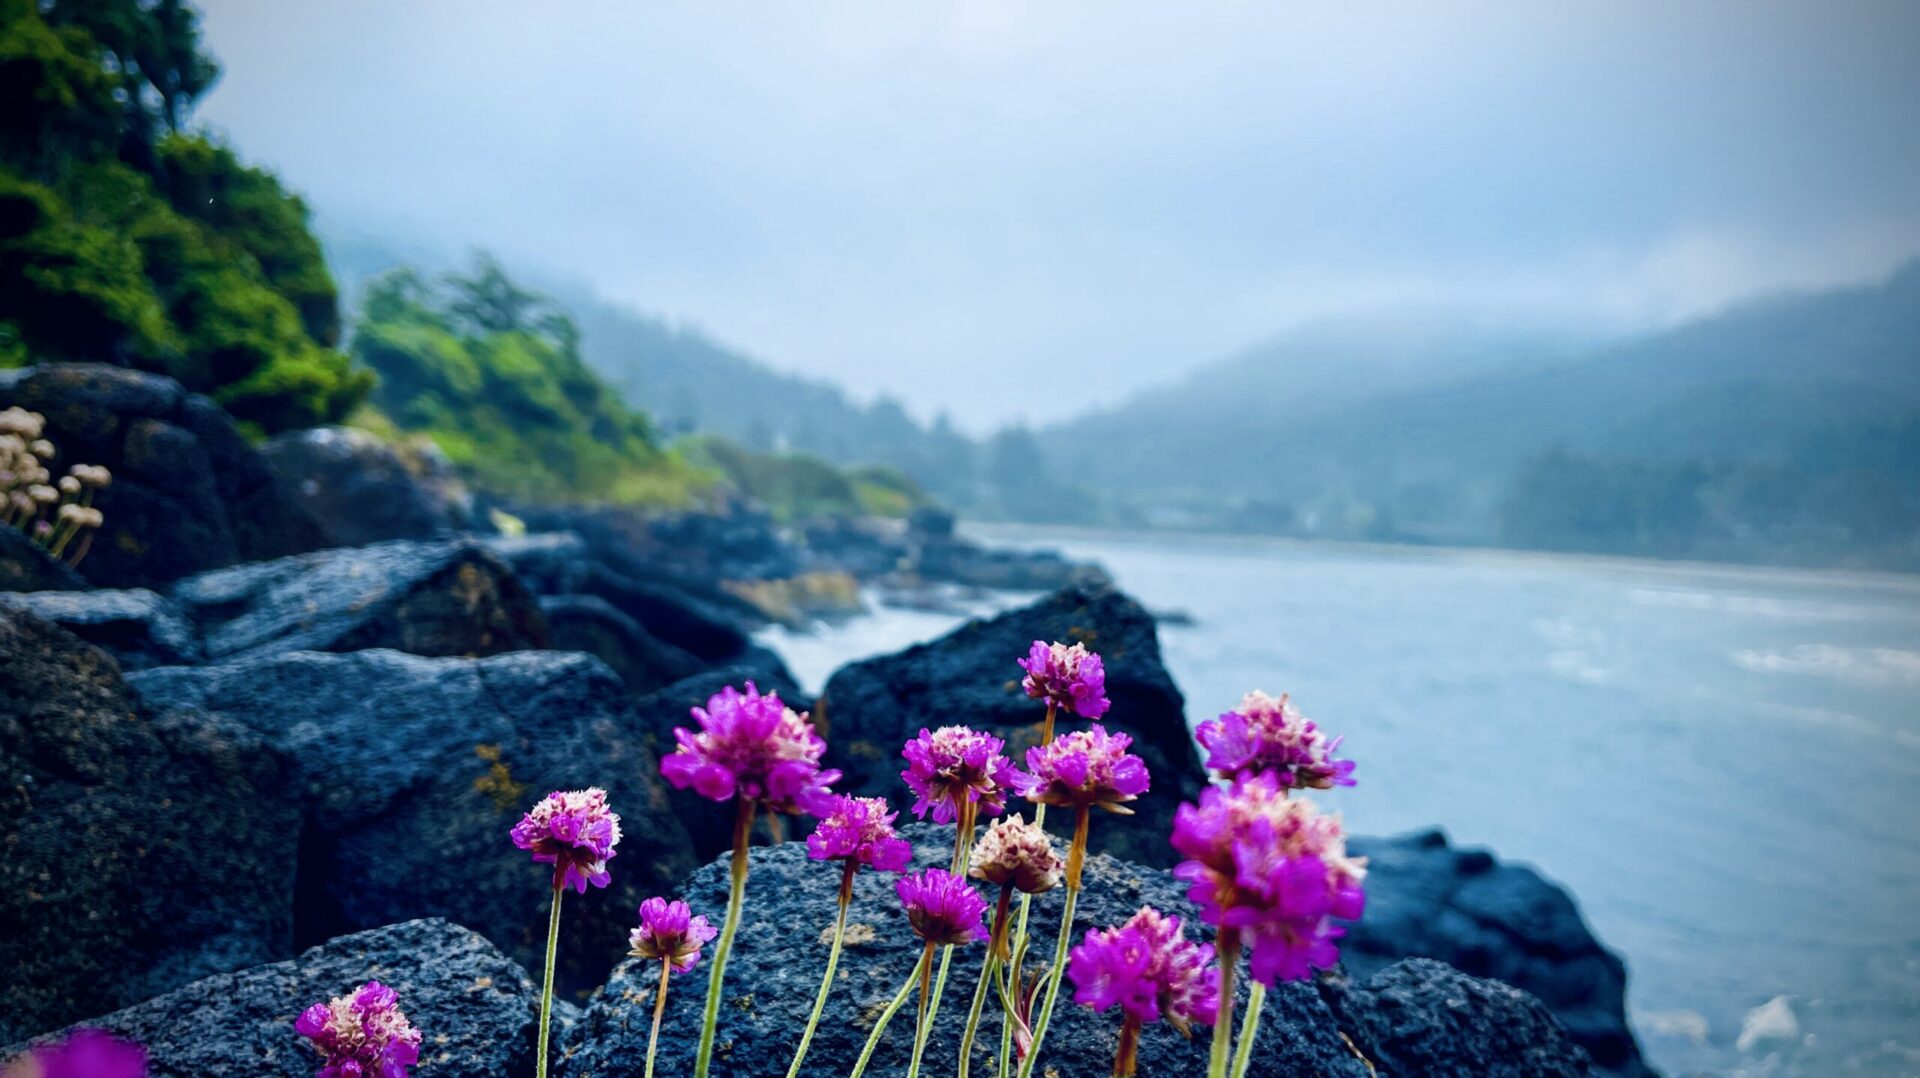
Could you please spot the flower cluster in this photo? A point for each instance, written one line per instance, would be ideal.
(952, 765)
(1067, 677)
(1265, 734)
(1014, 852)
(1084, 768)
(754, 747)
(88, 1053)
(1150, 969)
(575, 832)
(942, 907)
(669, 930)
(858, 829)
(361, 1036)
(52, 512)
(1273, 868)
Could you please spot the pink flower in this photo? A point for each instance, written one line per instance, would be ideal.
(361, 1036)
(750, 746)
(858, 829)
(1067, 677)
(1265, 734)
(1084, 768)
(952, 765)
(1149, 969)
(942, 907)
(1273, 868)
(1016, 852)
(573, 831)
(86, 1053)
(669, 930)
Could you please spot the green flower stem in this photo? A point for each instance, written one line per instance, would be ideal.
(880, 1026)
(1243, 1053)
(962, 849)
(716, 977)
(1076, 860)
(546, 993)
(1026, 904)
(994, 937)
(1226, 944)
(929, 1005)
(833, 960)
(659, 1008)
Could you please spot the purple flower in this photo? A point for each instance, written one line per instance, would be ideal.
(669, 930)
(1265, 734)
(954, 764)
(1016, 852)
(942, 907)
(1082, 768)
(1273, 868)
(87, 1053)
(1149, 969)
(573, 831)
(751, 746)
(1068, 677)
(858, 829)
(364, 1035)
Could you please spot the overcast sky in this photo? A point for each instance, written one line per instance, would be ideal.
(1012, 210)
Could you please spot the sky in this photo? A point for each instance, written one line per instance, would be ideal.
(1016, 211)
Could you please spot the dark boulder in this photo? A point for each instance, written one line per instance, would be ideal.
(476, 1009)
(411, 771)
(591, 624)
(1463, 1026)
(26, 566)
(1491, 919)
(363, 490)
(189, 493)
(140, 854)
(440, 598)
(870, 708)
(139, 628)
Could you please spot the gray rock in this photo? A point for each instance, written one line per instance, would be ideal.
(140, 853)
(411, 771)
(136, 626)
(476, 1009)
(363, 490)
(1425, 1018)
(591, 624)
(26, 566)
(430, 598)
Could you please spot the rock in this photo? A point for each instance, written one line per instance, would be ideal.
(961, 561)
(140, 853)
(363, 490)
(189, 493)
(1502, 921)
(137, 627)
(694, 550)
(435, 598)
(870, 708)
(591, 624)
(410, 772)
(477, 1011)
(1465, 1026)
(26, 566)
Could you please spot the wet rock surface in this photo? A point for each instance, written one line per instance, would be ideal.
(363, 490)
(137, 627)
(26, 566)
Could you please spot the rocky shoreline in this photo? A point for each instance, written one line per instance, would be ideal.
(247, 769)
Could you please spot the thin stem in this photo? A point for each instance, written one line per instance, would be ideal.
(927, 1008)
(546, 993)
(1026, 905)
(716, 978)
(833, 960)
(1227, 945)
(1129, 1050)
(962, 850)
(880, 1026)
(994, 938)
(1243, 1052)
(659, 1008)
(1076, 858)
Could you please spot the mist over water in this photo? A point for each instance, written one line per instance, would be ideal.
(1720, 763)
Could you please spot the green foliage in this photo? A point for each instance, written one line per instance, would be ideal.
(124, 240)
(798, 486)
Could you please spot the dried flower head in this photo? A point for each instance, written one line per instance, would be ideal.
(1084, 768)
(1016, 852)
(86, 1053)
(859, 829)
(1150, 969)
(1265, 734)
(669, 930)
(955, 765)
(1070, 677)
(942, 907)
(575, 832)
(361, 1036)
(1274, 868)
(21, 423)
(754, 747)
